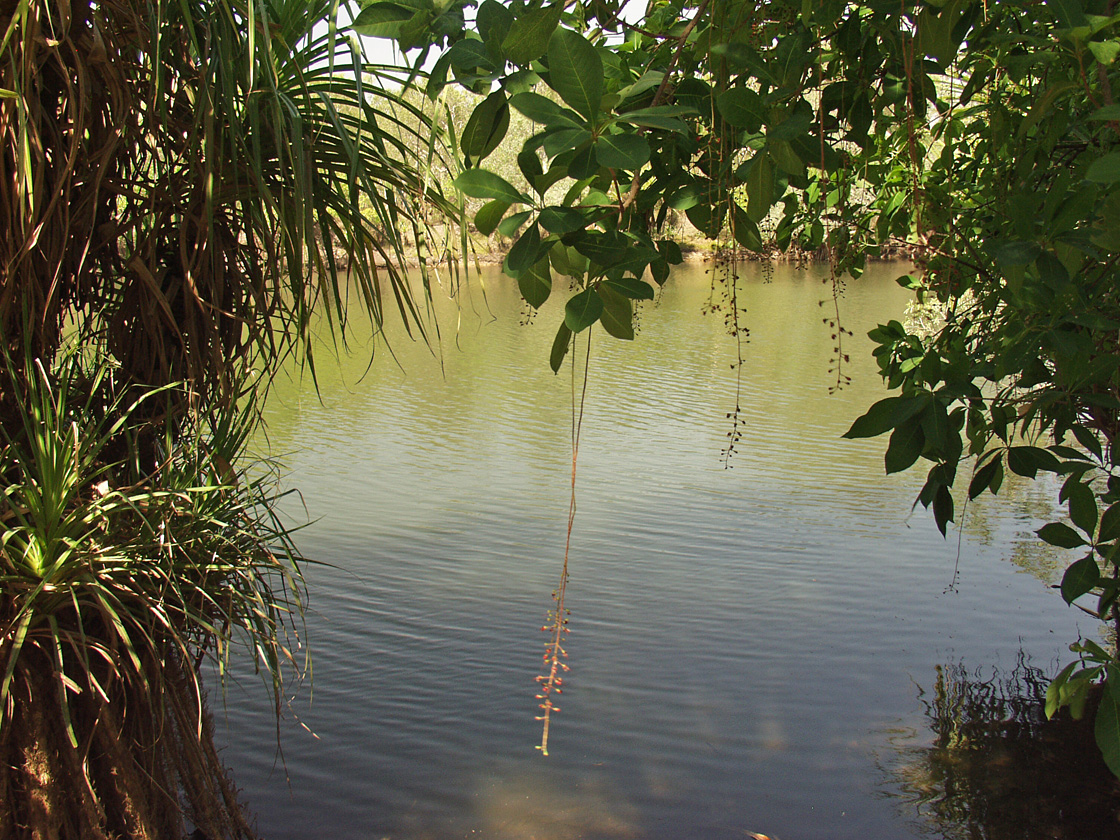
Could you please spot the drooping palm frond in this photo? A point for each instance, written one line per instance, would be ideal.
(187, 174)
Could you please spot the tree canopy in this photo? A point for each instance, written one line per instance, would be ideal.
(981, 136)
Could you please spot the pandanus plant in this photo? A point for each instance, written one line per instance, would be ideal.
(182, 183)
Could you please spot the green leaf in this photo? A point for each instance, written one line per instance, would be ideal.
(1088, 439)
(1106, 112)
(760, 187)
(541, 109)
(437, 77)
(530, 34)
(794, 125)
(583, 310)
(742, 108)
(1104, 51)
(744, 230)
(493, 22)
(561, 220)
(508, 227)
(524, 253)
(1070, 14)
(942, 508)
(664, 117)
(1054, 690)
(984, 477)
(1105, 169)
(478, 183)
(631, 287)
(607, 248)
(1080, 578)
(1082, 505)
(1110, 524)
(575, 71)
(622, 151)
(618, 313)
(486, 128)
(564, 140)
(786, 158)
(905, 447)
(1028, 460)
(560, 346)
(886, 415)
(382, 20)
(536, 283)
(1059, 534)
(487, 218)
(1107, 731)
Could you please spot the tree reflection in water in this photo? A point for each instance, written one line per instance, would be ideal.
(997, 769)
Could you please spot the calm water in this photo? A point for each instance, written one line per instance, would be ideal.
(748, 646)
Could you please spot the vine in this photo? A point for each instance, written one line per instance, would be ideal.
(552, 680)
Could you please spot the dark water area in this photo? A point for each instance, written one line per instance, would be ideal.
(752, 650)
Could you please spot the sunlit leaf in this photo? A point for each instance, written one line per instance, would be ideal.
(479, 183)
(530, 34)
(575, 71)
(622, 151)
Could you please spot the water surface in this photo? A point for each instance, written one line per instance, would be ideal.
(748, 646)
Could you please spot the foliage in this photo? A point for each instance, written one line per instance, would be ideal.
(182, 173)
(114, 590)
(181, 184)
(982, 135)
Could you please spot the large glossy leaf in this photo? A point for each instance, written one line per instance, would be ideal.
(583, 310)
(631, 287)
(383, 20)
(488, 217)
(560, 346)
(1110, 524)
(493, 21)
(887, 414)
(622, 151)
(541, 109)
(760, 187)
(561, 220)
(618, 313)
(536, 283)
(530, 34)
(905, 447)
(565, 140)
(1061, 535)
(1080, 578)
(486, 127)
(742, 107)
(479, 183)
(575, 71)
(525, 252)
(1107, 731)
(664, 117)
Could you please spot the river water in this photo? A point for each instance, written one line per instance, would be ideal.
(752, 649)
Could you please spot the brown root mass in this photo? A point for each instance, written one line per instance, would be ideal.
(143, 767)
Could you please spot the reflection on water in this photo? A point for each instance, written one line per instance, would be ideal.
(741, 639)
(997, 769)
